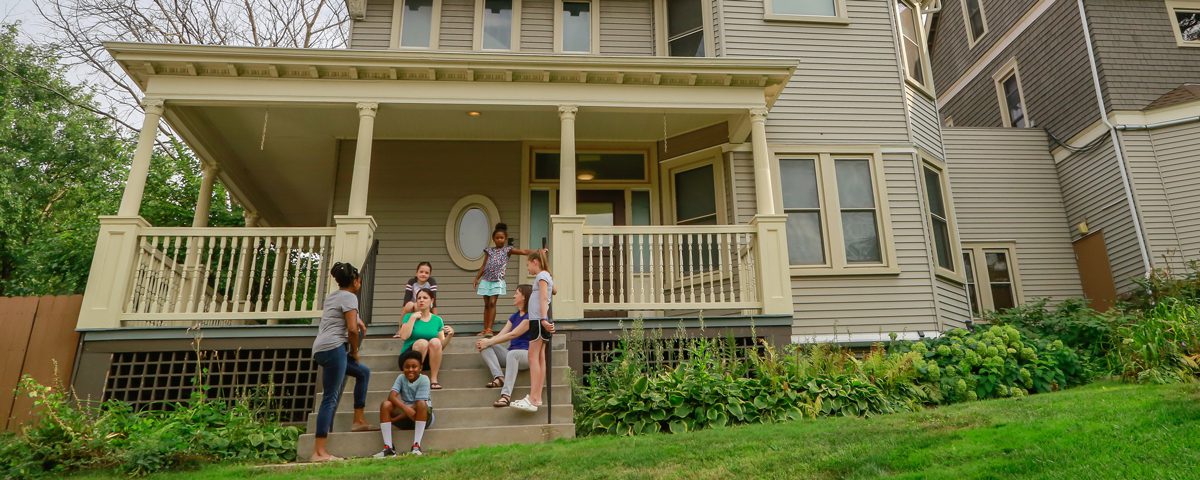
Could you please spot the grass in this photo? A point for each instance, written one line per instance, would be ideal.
(1104, 430)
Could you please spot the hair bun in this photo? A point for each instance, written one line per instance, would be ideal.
(502, 226)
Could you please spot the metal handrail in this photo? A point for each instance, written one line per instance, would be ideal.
(366, 295)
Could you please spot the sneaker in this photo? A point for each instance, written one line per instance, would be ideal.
(524, 405)
(416, 450)
(387, 452)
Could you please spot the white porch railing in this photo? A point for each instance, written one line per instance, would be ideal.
(227, 275)
(670, 267)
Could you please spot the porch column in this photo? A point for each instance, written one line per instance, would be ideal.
(762, 162)
(774, 272)
(131, 200)
(108, 281)
(566, 169)
(566, 252)
(362, 159)
(208, 175)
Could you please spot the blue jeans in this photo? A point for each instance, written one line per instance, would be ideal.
(336, 365)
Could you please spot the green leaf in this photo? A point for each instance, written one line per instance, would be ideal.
(640, 385)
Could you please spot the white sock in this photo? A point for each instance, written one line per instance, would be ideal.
(418, 432)
(386, 429)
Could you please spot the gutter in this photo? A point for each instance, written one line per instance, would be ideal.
(1169, 123)
(1126, 181)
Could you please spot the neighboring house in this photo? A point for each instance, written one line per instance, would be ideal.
(774, 168)
(1115, 84)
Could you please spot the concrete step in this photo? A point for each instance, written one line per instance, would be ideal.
(488, 416)
(365, 444)
(455, 398)
(453, 378)
(459, 344)
(455, 360)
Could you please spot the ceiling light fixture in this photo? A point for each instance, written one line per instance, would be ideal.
(586, 175)
(473, 114)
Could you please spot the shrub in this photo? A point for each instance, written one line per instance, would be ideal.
(1161, 345)
(1087, 331)
(73, 435)
(1165, 283)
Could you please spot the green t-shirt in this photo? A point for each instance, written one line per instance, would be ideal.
(423, 330)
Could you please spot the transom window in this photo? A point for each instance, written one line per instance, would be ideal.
(938, 209)
(1013, 109)
(497, 29)
(975, 20)
(836, 213)
(415, 23)
(1185, 20)
(806, 8)
(916, 62)
(992, 281)
(593, 166)
(575, 25)
(686, 35)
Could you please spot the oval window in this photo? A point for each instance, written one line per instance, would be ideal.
(473, 233)
(468, 230)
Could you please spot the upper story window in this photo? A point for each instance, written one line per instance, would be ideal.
(975, 20)
(1013, 109)
(831, 11)
(916, 61)
(1185, 20)
(576, 26)
(836, 214)
(686, 32)
(497, 24)
(413, 23)
(940, 211)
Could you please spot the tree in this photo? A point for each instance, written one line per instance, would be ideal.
(63, 163)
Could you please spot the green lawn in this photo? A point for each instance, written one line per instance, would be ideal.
(1101, 431)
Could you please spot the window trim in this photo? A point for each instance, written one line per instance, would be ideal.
(834, 243)
(514, 42)
(454, 218)
(972, 41)
(594, 42)
(958, 274)
(977, 251)
(1188, 5)
(927, 86)
(841, 18)
(1011, 68)
(661, 43)
(435, 26)
(948, 121)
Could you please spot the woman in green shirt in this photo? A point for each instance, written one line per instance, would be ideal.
(426, 333)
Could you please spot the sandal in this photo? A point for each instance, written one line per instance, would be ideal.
(502, 402)
(496, 383)
(486, 333)
(435, 386)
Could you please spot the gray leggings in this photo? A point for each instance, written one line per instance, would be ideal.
(497, 356)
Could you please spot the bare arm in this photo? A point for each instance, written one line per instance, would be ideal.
(479, 275)
(487, 342)
(544, 299)
(352, 332)
(511, 334)
(407, 328)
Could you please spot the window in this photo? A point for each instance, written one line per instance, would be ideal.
(948, 122)
(695, 196)
(1013, 109)
(593, 166)
(837, 219)
(469, 230)
(576, 26)
(833, 11)
(992, 279)
(916, 62)
(687, 28)
(1185, 21)
(975, 20)
(413, 24)
(497, 24)
(940, 213)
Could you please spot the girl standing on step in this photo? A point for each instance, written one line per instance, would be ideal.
(540, 328)
(424, 332)
(489, 282)
(334, 348)
(514, 358)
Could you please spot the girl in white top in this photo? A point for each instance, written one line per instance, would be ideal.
(540, 328)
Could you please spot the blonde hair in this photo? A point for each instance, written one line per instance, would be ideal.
(541, 259)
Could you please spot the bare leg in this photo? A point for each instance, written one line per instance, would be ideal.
(537, 371)
(489, 313)
(435, 359)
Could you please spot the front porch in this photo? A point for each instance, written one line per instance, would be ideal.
(426, 161)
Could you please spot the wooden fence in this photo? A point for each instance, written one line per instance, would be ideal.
(38, 332)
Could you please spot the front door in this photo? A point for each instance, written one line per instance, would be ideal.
(1095, 274)
(603, 261)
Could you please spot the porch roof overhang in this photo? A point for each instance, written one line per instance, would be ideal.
(432, 72)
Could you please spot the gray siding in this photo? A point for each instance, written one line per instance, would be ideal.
(458, 25)
(1167, 181)
(1093, 192)
(375, 31)
(745, 203)
(847, 88)
(923, 117)
(1139, 59)
(1006, 189)
(412, 226)
(952, 303)
(626, 27)
(1057, 81)
(537, 26)
(950, 48)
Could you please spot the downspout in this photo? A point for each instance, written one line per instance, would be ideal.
(1151, 126)
(1126, 182)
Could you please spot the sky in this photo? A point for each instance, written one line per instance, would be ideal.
(24, 11)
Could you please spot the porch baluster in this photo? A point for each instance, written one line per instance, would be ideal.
(213, 306)
(301, 245)
(262, 274)
(156, 296)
